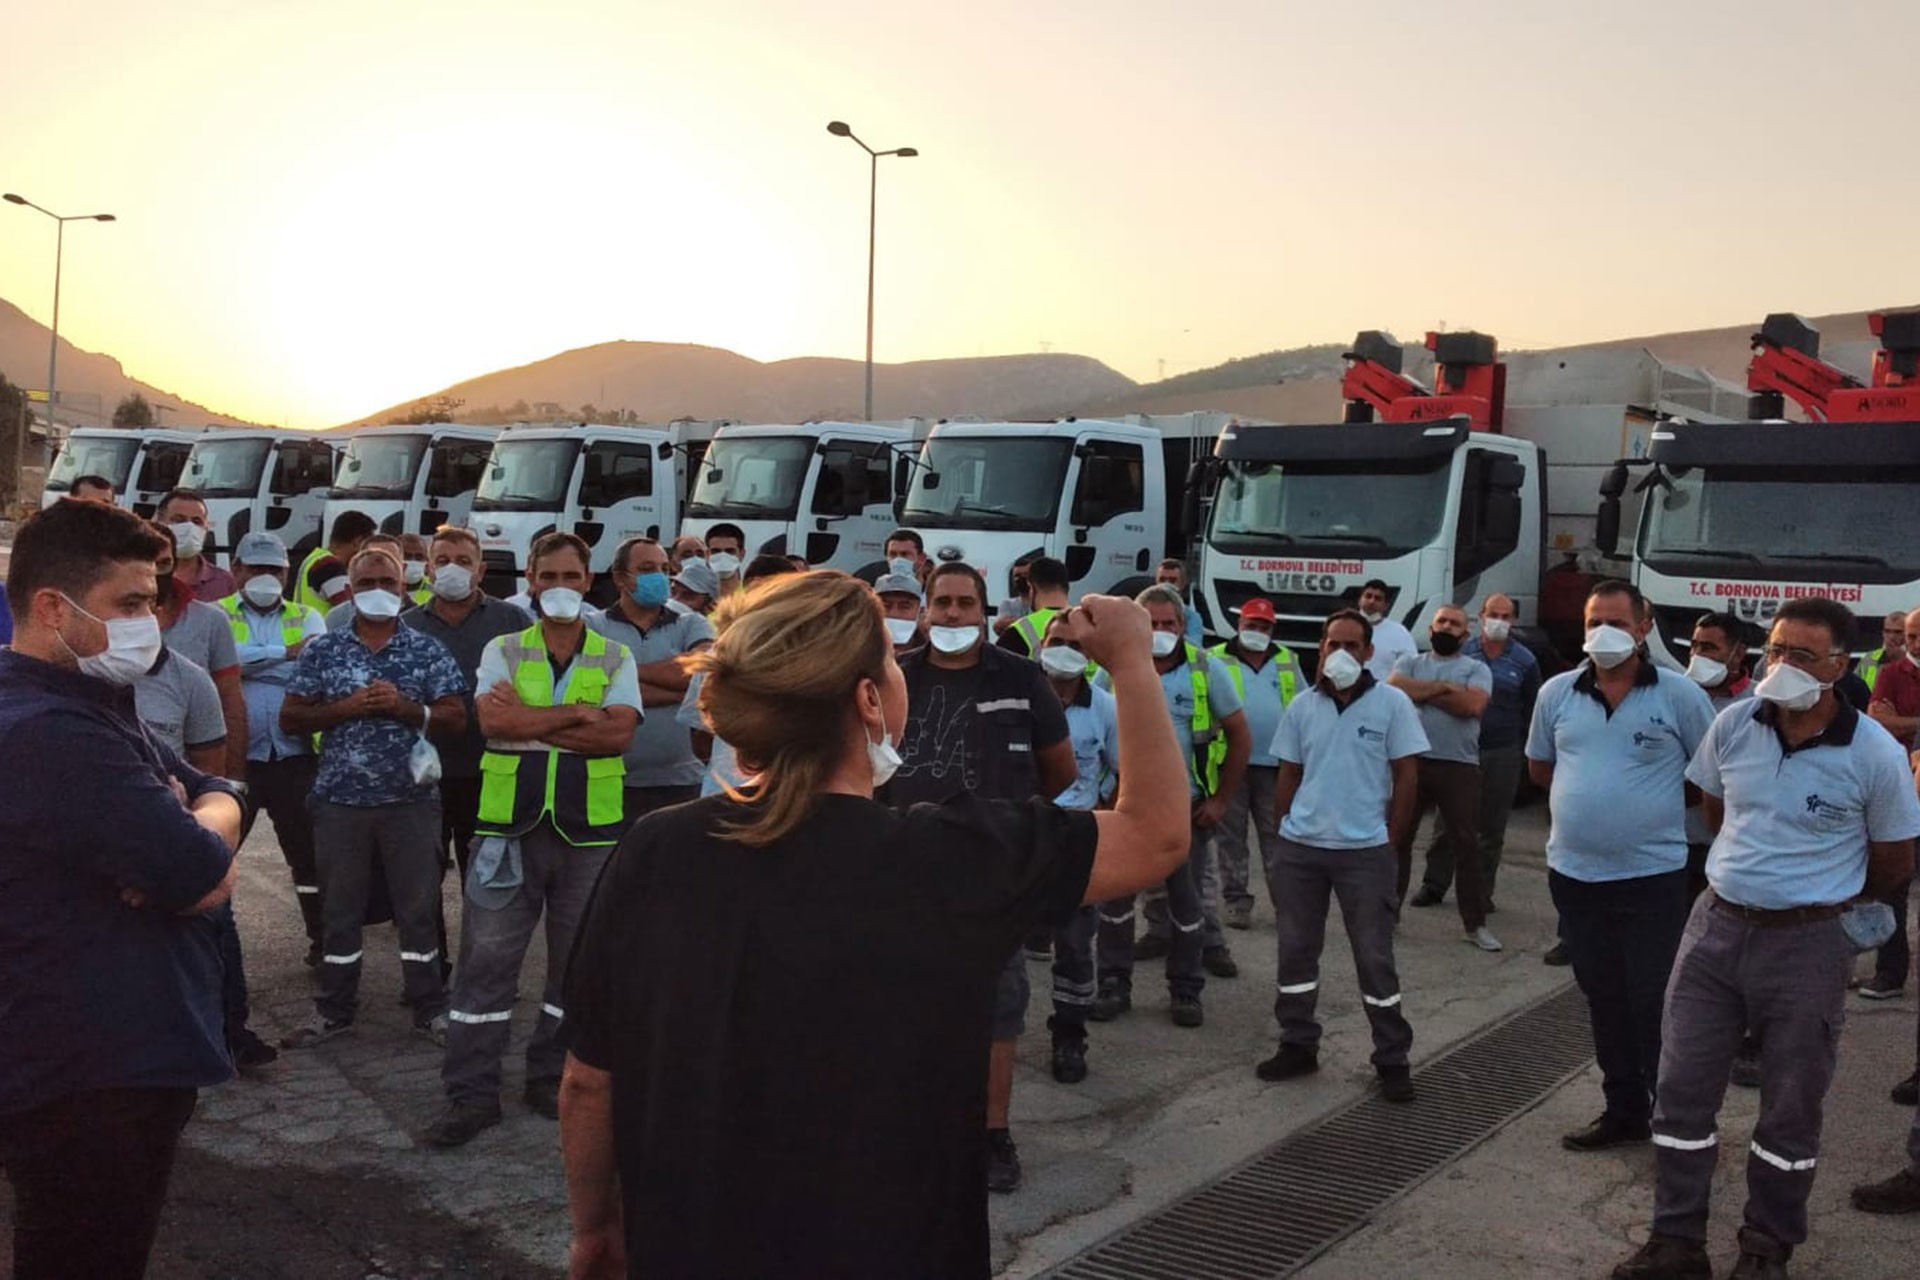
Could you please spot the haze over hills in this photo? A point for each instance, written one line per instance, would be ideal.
(82, 374)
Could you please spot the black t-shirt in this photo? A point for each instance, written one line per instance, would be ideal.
(975, 731)
(798, 1034)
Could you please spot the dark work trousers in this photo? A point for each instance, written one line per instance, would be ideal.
(1789, 983)
(1621, 936)
(459, 815)
(1204, 858)
(350, 843)
(1452, 787)
(557, 880)
(1185, 977)
(233, 971)
(1499, 779)
(1303, 880)
(279, 788)
(1250, 807)
(1073, 984)
(1893, 962)
(89, 1174)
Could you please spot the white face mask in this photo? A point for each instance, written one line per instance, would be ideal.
(1790, 688)
(1254, 641)
(902, 567)
(677, 609)
(376, 604)
(1609, 646)
(1063, 663)
(883, 758)
(263, 591)
(1495, 629)
(953, 641)
(1706, 672)
(188, 539)
(1373, 616)
(416, 571)
(562, 604)
(1341, 669)
(452, 582)
(133, 646)
(902, 630)
(723, 564)
(1164, 643)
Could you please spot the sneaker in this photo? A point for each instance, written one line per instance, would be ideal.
(1898, 1194)
(1219, 962)
(1666, 1258)
(1556, 956)
(461, 1123)
(1907, 1092)
(249, 1051)
(434, 1029)
(1878, 988)
(1186, 1011)
(1112, 1001)
(1607, 1131)
(1745, 1072)
(1428, 896)
(1483, 938)
(1396, 1084)
(1150, 947)
(1292, 1062)
(1040, 946)
(1069, 1059)
(1237, 915)
(1003, 1162)
(542, 1098)
(315, 1030)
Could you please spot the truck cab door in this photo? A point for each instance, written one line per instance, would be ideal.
(1109, 539)
(616, 498)
(1492, 551)
(850, 510)
(453, 471)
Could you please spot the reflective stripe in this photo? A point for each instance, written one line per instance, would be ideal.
(1781, 1163)
(1386, 1002)
(1002, 704)
(454, 1015)
(421, 957)
(555, 1010)
(1298, 988)
(1188, 928)
(1107, 919)
(352, 959)
(306, 888)
(1686, 1144)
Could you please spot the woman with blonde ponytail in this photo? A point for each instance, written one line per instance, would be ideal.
(780, 1002)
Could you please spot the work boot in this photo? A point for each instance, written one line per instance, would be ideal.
(313, 955)
(1396, 1084)
(542, 1098)
(461, 1123)
(1761, 1257)
(315, 1030)
(1290, 1063)
(434, 1029)
(1113, 1000)
(1557, 956)
(1069, 1059)
(1219, 962)
(1666, 1258)
(1907, 1092)
(1898, 1194)
(1003, 1162)
(1186, 1011)
(1608, 1130)
(1151, 946)
(1428, 896)
(249, 1051)
(1237, 915)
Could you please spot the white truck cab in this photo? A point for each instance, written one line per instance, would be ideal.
(411, 479)
(822, 490)
(262, 478)
(142, 462)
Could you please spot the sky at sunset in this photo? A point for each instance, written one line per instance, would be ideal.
(326, 208)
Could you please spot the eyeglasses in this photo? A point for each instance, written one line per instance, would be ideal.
(1798, 657)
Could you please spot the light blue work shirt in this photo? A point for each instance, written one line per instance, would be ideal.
(1260, 696)
(1176, 686)
(1618, 800)
(1798, 820)
(1346, 757)
(1094, 729)
(265, 670)
(1449, 737)
(1721, 698)
(660, 754)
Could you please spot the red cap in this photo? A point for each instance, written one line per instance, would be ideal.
(1260, 609)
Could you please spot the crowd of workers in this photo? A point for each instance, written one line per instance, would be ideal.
(1722, 840)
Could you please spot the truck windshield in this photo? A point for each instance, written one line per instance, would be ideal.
(989, 482)
(755, 477)
(227, 468)
(1389, 509)
(108, 456)
(1805, 525)
(380, 466)
(527, 475)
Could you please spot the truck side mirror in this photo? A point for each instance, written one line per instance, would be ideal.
(1612, 485)
(1606, 521)
(930, 481)
(715, 475)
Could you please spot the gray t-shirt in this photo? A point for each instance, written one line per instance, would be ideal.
(661, 754)
(177, 701)
(1450, 737)
(203, 636)
(467, 643)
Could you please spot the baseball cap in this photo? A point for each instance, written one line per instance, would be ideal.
(697, 576)
(1260, 609)
(262, 550)
(496, 872)
(902, 584)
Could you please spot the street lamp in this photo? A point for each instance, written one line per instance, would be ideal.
(53, 349)
(840, 129)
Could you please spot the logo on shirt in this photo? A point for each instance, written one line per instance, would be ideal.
(1646, 739)
(1824, 810)
(1369, 734)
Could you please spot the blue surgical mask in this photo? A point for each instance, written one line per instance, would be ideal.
(650, 590)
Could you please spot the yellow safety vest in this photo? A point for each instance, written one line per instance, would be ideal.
(582, 796)
(1209, 743)
(421, 594)
(306, 595)
(1282, 657)
(293, 618)
(1870, 666)
(1033, 628)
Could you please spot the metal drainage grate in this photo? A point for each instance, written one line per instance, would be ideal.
(1315, 1187)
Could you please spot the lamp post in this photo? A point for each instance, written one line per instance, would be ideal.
(840, 129)
(53, 348)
